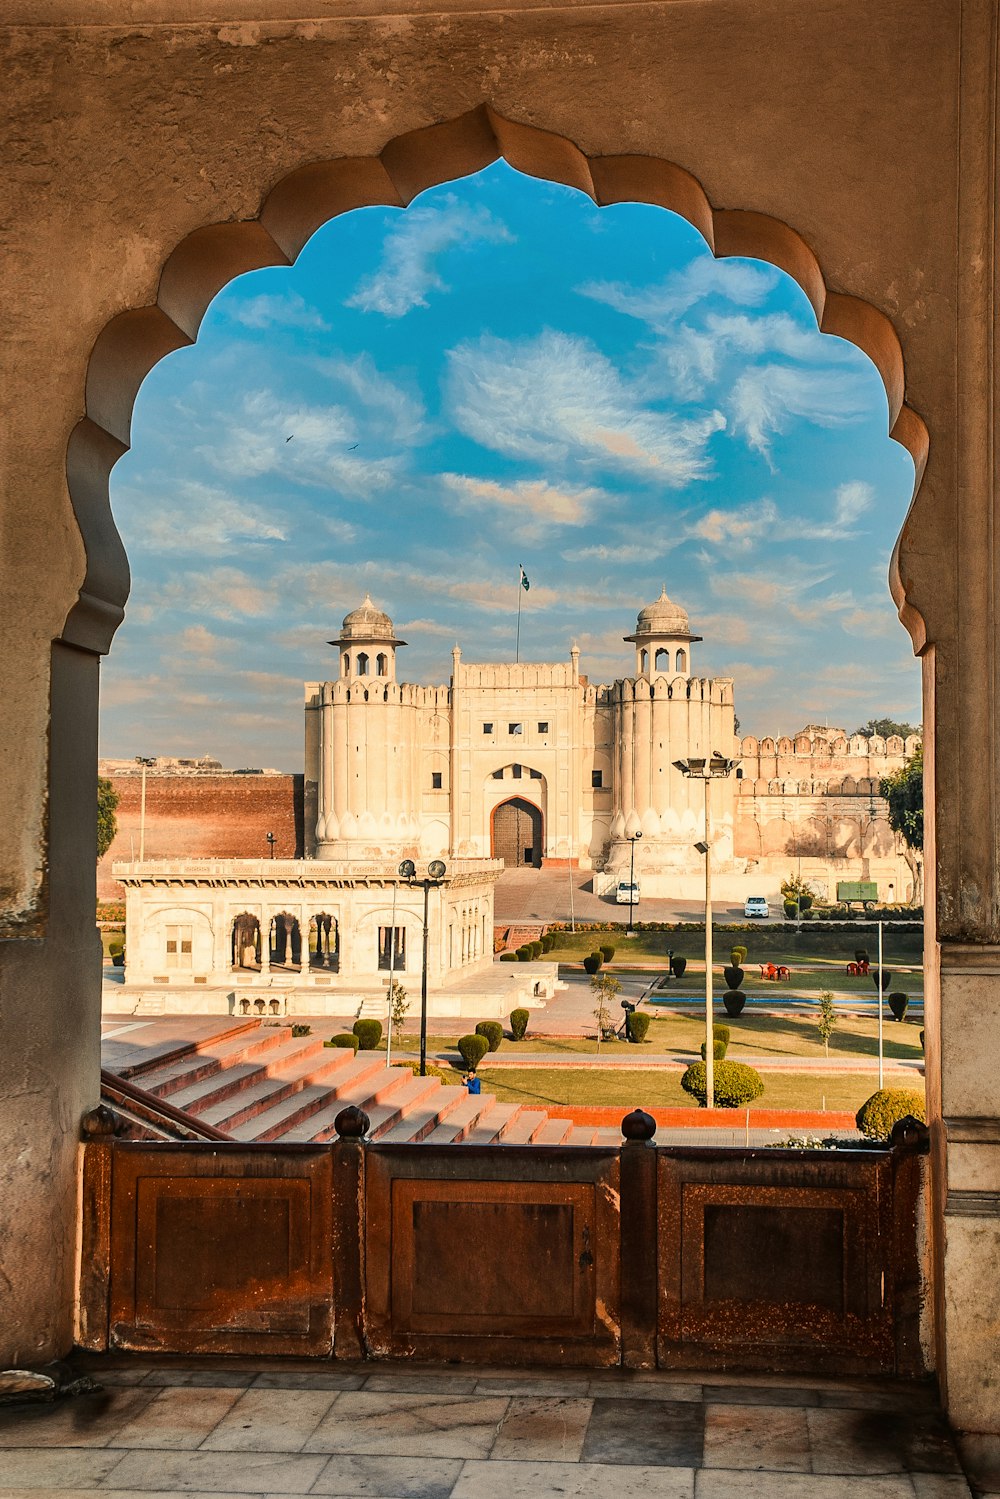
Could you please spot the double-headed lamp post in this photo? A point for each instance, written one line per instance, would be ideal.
(631, 839)
(710, 769)
(436, 871)
(145, 761)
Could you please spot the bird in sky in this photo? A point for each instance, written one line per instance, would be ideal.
(288, 439)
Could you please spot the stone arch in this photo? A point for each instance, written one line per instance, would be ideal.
(516, 832)
(208, 258)
(245, 940)
(681, 661)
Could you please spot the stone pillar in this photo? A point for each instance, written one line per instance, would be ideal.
(323, 829)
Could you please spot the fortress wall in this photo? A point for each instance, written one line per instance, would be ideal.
(204, 817)
(810, 761)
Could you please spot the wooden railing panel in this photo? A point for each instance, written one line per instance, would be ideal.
(510, 1255)
(775, 1260)
(221, 1249)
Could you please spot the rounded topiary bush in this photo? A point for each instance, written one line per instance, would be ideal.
(369, 1034)
(734, 1000)
(636, 1026)
(508, 957)
(548, 941)
(472, 1050)
(592, 962)
(519, 1024)
(721, 1033)
(344, 1038)
(791, 909)
(805, 901)
(677, 967)
(524, 954)
(493, 1031)
(733, 976)
(536, 949)
(898, 1002)
(607, 951)
(887, 1107)
(736, 1084)
(742, 954)
(719, 1049)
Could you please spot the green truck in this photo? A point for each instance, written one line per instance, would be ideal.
(865, 891)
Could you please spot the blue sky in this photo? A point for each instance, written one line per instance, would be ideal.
(504, 374)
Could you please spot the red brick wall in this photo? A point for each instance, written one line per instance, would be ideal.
(205, 817)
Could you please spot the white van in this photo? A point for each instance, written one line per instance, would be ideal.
(627, 895)
(756, 905)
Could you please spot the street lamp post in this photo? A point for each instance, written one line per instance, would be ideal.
(631, 837)
(271, 841)
(715, 767)
(436, 871)
(145, 761)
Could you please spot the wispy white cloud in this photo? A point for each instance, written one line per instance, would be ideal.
(550, 504)
(276, 310)
(556, 397)
(204, 520)
(661, 304)
(408, 272)
(767, 398)
(388, 409)
(219, 592)
(850, 502)
(738, 528)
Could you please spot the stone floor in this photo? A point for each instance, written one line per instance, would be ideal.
(267, 1428)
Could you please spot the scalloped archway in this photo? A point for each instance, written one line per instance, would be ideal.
(210, 257)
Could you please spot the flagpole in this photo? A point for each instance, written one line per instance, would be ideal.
(517, 637)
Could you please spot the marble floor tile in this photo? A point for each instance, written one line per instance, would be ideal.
(270, 1421)
(542, 1428)
(179, 1417)
(55, 1467)
(941, 1486)
(388, 1477)
(772, 1438)
(744, 1394)
(419, 1382)
(721, 1483)
(539, 1384)
(304, 1379)
(634, 1388)
(513, 1480)
(653, 1433)
(216, 1472)
(410, 1425)
(77, 1421)
(865, 1442)
(227, 1379)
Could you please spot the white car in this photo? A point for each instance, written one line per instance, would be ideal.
(756, 905)
(626, 894)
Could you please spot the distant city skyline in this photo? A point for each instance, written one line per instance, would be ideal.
(504, 375)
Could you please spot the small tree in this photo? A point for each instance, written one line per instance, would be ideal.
(107, 822)
(605, 988)
(398, 1008)
(827, 1023)
(904, 791)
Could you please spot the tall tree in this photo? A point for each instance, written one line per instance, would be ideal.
(904, 792)
(885, 727)
(107, 822)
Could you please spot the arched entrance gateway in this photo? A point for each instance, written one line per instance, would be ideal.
(516, 834)
(735, 109)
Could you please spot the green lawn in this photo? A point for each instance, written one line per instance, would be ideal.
(775, 944)
(608, 1086)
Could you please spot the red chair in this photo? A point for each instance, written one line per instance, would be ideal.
(852, 970)
(768, 971)
(783, 972)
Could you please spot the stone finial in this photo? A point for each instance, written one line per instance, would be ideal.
(910, 1134)
(638, 1126)
(99, 1123)
(352, 1123)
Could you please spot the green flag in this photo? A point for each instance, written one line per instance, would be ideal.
(524, 580)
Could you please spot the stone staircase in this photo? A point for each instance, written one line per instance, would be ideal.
(260, 1083)
(519, 932)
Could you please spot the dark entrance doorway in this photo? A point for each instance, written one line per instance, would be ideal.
(517, 834)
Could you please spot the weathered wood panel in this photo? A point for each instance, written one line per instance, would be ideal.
(221, 1249)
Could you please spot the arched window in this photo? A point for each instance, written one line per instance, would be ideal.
(362, 664)
(663, 659)
(643, 659)
(347, 665)
(381, 663)
(681, 662)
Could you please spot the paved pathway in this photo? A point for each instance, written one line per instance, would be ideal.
(256, 1427)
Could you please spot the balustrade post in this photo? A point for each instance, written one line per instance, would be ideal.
(98, 1129)
(349, 1337)
(910, 1141)
(639, 1257)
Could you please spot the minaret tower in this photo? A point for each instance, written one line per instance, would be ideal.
(662, 640)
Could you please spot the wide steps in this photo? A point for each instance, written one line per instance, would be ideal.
(554, 1132)
(463, 1118)
(242, 1077)
(274, 1088)
(524, 1128)
(186, 1071)
(416, 1090)
(491, 1127)
(418, 1124)
(360, 1079)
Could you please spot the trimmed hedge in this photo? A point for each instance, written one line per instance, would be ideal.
(734, 1000)
(369, 1034)
(736, 1084)
(536, 950)
(607, 951)
(883, 1109)
(508, 957)
(472, 1050)
(302, 1030)
(677, 966)
(733, 976)
(493, 1031)
(636, 1026)
(344, 1038)
(592, 962)
(524, 953)
(898, 1004)
(719, 1049)
(519, 1024)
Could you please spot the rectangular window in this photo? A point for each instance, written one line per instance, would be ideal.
(515, 771)
(543, 728)
(498, 775)
(487, 728)
(179, 946)
(536, 775)
(436, 780)
(515, 728)
(597, 778)
(385, 942)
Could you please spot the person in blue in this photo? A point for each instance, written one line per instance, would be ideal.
(473, 1083)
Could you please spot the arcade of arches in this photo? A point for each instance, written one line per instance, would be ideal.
(855, 149)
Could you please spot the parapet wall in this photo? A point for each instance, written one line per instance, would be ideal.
(845, 766)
